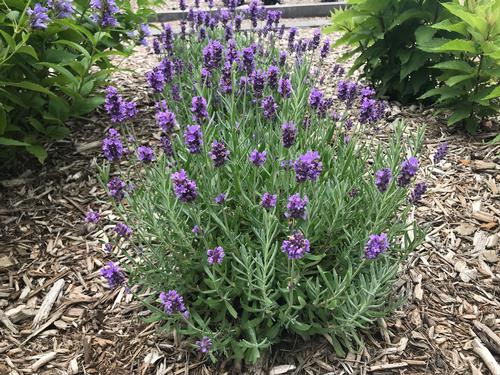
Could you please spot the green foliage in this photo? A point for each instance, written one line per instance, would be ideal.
(383, 36)
(49, 75)
(470, 73)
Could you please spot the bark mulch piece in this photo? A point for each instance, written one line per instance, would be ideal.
(58, 317)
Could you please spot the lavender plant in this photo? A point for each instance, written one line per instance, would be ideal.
(261, 212)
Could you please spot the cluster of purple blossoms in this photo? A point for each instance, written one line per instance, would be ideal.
(221, 198)
(219, 153)
(212, 54)
(193, 139)
(116, 188)
(258, 158)
(204, 345)
(253, 12)
(226, 83)
(338, 70)
(182, 4)
(165, 119)
(282, 60)
(215, 255)
(39, 18)
(377, 243)
(268, 200)
(353, 193)
(237, 23)
(199, 109)
(119, 109)
(184, 188)
(92, 217)
(383, 178)
(167, 38)
(104, 12)
(288, 134)
(206, 76)
(123, 230)
(113, 274)
(291, 37)
(441, 152)
(166, 145)
(347, 91)
(156, 79)
(144, 32)
(315, 98)
(296, 207)
(316, 39)
(324, 105)
(273, 76)
(269, 107)
(156, 46)
(296, 245)
(173, 302)
(371, 110)
(285, 87)
(247, 59)
(419, 190)
(258, 83)
(409, 169)
(145, 154)
(367, 92)
(168, 68)
(112, 146)
(61, 8)
(196, 229)
(325, 48)
(308, 166)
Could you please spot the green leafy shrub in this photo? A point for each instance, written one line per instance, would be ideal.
(53, 57)
(469, 76)
(260, 212)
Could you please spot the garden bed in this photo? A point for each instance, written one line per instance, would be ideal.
(450, 281)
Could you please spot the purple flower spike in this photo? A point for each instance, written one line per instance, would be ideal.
(104, 12)
(221, 198)
(308, 166)
(268, 200)
(156, 79)
(288, 134)
(269, 107)
(284, 87)
(418, 191)
(199, 109)
(166, 121)
(204, 345)
(92, 217)
(383, 178)
(441, 152)
(371, 110)
(119, 109)
(166, 145)
(184, 188)
(215, 256)
(272, 76)
(193, 139)
(173, 302)
(291, 37)
(409, 169)
(296, 207)
(113, 274)
(296, 245)
(123, 230)
(112, 146)
(325, 48)
(347, 91)
(219, 153)
(377, 243)
(314, 43)
(258, 81)
(38, 17)
(283, 56)
(116, 188)
(61, 8)
(145, 154)
(258, 158)
(315, 98)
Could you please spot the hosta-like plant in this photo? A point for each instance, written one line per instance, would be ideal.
(261, 211)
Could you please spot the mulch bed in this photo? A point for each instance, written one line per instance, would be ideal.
(58, 317)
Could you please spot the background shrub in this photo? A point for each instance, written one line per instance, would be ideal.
(54, 55)
(260, 211)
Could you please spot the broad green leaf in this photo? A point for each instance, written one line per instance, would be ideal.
(12, 142)
(8, 39)
(458, 78)
(457, 45)
(495, 93)
(408, 14)
(28, 86)
(447, 25)
(458, 115)
(28, 50)
(471, 19)
(457, 65)
(38, 151)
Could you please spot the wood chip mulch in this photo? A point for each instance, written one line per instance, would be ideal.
(58, 317)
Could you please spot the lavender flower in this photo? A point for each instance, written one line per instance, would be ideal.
(173, 302)
(221, 198)
(182, 4)
(408, 169)
(226, 83)
(288, 134)
(204, 345)
(156, 79)
(193, 139)
(283, 56)
(248, 59)
(108, 248)
(338, 70)
(296, 207)
(441, 152)
(269, 107)
(196, 230)
(212, 54)
(367, 92)
(167, 38)
(104, 12)
(61, 8)
(354, 192)
(284, 87)
(371, 110)
(219, 153)
(156, 46)
(315, 98)
(258, 158)
(39, 18)
(116, 188)
(215, 256)
(184, 188)
(113, 274)
(123, 230)
(272, 76)
(112, 146)
(92, 217)
(166, 121)
(308, 166)
(291, 37)
(199, 109)
(237, 23)
(418, 191)
(377, 243)
(315, 39)
(253, 12)
(258, 80)
(145, 154)
(116, 107)
(346, 91)
(325, 48)
(268, 200)
(296, 245)
(324, 105)
(383, 178)
(166, 145)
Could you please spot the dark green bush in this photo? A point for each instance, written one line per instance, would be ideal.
(53, 56)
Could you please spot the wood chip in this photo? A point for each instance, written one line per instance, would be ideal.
(48, 302)
(282, 369)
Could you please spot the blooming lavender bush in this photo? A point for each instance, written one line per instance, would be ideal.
(261, 212)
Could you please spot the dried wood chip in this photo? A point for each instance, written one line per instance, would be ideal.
(480, 165)
(465, 229)
(283, 369)
(47, 303)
